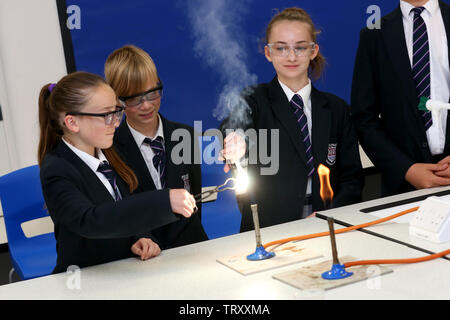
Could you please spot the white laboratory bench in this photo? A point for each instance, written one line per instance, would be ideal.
(191, 272)
(397, 229)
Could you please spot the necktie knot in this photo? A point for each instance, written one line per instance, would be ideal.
(159, 158)
(109, 173)
(418, 10)
(297, 102)
(106, 170)
(156, 144)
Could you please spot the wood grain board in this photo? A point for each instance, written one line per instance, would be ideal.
(285, 254)
(310, 277)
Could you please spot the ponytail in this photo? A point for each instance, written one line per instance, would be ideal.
(50, 130)
(121, 168)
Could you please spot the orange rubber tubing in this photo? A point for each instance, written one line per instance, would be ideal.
(397, 261)
(342, 230)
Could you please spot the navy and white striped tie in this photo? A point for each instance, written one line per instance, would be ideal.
(297, 105)
(159, 159)
(109, 173)
(421, 62)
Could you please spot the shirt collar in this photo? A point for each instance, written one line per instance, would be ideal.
(304, 92)
(91, 161)
(431, 7)
(139, 137)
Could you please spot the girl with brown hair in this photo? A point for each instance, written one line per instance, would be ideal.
(87, 187)
(314, 128)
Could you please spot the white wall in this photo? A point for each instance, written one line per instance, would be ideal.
(31, 55)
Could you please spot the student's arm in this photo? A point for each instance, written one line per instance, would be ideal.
(365, 111)
(65, 197)
(235, 147)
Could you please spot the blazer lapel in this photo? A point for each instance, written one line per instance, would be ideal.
(394, 39)
(282, 110)
(173, 174)
(133, 157)
(321, 117)
(97, 190)
(395, 42)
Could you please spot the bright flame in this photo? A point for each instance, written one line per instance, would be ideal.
(242, 182)
(326, 192)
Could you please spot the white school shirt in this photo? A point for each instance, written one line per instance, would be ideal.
(305, 93)
(147, 151)
(93, 163)
(439, 65)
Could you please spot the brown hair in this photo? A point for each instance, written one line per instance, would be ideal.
(70, 94)
(317, 65)
(128, 69)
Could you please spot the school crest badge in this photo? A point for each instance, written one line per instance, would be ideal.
(187, 184)
(331, 156)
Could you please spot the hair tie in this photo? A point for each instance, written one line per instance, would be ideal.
(51, 86)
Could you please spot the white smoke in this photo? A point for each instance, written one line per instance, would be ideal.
(221, 42)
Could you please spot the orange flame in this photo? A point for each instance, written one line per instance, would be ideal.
(326, 192)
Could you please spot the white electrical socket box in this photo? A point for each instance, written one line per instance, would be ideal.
(432, 220)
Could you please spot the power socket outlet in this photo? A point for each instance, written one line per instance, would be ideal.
(432, 221)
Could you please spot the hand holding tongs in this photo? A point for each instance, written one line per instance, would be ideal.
(203, 195)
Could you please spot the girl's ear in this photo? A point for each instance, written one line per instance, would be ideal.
(71, 123)
(267, 53)
(315, 52)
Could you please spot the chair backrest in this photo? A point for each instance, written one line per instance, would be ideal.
(21, 199)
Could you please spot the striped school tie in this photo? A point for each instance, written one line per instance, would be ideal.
(421, 62)
(159, 159)
(109, 173)
(297, 106)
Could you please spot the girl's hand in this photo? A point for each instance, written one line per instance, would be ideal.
(145, 248)
(182, 202)
(233, 149)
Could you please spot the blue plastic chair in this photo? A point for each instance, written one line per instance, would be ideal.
(21, 199)
(221, 217)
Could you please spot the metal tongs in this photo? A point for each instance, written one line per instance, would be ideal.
(203, 195)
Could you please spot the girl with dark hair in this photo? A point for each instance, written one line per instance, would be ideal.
(87, 187)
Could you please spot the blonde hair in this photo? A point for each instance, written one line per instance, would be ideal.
(317, 65)
(70, 94)
(128, 70)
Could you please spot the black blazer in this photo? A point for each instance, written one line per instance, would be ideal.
(281, 197)
(185, 230)
(90, 227)
(383, 86)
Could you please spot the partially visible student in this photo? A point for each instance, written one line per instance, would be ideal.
(396, 65)
(87, 187)
(314, 128)
(144, 140)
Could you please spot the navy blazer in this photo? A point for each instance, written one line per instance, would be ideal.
(185, 175)
(281, 197)
(90, 227)
(384, 102)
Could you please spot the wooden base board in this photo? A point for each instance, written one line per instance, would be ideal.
(285, 254)
(310, 277)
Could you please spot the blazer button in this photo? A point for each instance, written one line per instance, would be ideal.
(424, 145)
